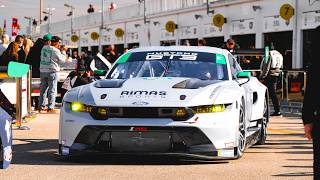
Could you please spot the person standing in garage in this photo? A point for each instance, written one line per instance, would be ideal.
(270, 72)
(311, 105)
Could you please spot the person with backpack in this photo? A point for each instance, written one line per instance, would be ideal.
(270, 72)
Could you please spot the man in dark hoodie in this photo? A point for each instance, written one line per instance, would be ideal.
(35, 53)
(33, 59)
(311, 104)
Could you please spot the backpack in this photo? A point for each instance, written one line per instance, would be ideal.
(277, 60)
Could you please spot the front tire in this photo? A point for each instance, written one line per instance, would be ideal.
(241, 132)
(264, 122)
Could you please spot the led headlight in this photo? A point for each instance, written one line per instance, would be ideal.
(78, 107)
(182, 114)
(98, 113)
(209, 109)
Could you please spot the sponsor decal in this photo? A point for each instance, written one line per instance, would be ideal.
(7, 155)
(140, 103)
(187, 56)
(220, 59)
(183, 97)
(103, 96)
(214, 92)
(138, 129)
(157, 78)
(143, 94)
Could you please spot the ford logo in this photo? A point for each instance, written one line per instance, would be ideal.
(140, 103)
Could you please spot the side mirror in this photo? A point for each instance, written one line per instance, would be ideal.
(16, 69)
(99, 72)
(244, 74)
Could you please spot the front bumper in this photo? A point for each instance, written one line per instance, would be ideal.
(186, 141)
(211, 135)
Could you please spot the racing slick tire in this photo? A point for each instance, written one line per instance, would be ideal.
(241, 132)
(264, 121)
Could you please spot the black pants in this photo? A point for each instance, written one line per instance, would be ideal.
(316, 150)
(271, 83)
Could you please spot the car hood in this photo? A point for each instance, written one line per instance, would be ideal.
(148, 92)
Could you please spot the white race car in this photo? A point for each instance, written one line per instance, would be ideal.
(192, 101)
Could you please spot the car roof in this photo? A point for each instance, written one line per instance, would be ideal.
(206, 49)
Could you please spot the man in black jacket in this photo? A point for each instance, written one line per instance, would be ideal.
(311, 104)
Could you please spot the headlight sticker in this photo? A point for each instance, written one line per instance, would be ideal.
(214, 92)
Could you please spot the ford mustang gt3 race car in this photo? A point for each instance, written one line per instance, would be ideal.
(193, 101)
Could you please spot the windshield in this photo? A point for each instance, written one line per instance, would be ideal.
(204, 66)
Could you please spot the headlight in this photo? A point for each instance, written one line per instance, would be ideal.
(78, 107)
(182, 114)
(209, 109)
(98, 113)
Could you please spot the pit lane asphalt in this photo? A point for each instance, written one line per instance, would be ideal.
(287, 155)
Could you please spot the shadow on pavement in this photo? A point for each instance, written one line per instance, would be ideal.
(298, 166)
(295, 135)
(298, 174)
(300, 159)
(288, 142)
(286, 123)
(288, 147)
(281, 147)
(43, 152)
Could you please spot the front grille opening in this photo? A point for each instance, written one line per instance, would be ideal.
(150, 112)
(156, 139)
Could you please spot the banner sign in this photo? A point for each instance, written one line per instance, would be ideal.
(15, 27)
(275, 23)
(4, 26)
(242, 27)
(311, 20)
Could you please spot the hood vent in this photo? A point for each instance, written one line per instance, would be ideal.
(194, 83)
(109, 83)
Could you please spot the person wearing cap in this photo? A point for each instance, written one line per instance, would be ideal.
(51, 59)
(5, 43)
(47, 39)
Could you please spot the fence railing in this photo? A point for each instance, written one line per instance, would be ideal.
(292, 84)
(22, 92)
(130, 11)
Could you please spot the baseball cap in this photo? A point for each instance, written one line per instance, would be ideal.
(47, 37)
(55, 39)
